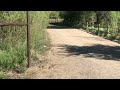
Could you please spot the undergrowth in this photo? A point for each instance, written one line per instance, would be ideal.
(13, 52)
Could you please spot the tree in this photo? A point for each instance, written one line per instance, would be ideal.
(54, 14)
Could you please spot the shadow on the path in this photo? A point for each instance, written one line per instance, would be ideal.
(99, 51)
(95, 51)
(59, 25)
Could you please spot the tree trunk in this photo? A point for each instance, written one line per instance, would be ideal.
(87, 26)
(98, 29)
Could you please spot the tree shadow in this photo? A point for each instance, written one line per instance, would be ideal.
(58, 25)
(95, 51)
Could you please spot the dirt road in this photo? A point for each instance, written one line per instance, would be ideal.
(76, 54)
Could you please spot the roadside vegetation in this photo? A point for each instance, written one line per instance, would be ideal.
(13, 39)
(102, 23)
(13, 50)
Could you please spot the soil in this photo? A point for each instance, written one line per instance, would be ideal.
(76, 54)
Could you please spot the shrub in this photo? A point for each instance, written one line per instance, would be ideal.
(3, 76)
(13, 40)
(54, 14)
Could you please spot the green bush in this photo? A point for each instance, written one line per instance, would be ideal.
(111, 36)
(13, 41)
(3, 76)
(88, 19)
(54, 14)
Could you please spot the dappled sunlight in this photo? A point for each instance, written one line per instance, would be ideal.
(96, 51)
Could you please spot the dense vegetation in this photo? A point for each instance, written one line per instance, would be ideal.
(102, 23)
(56, 14)
(13, 39)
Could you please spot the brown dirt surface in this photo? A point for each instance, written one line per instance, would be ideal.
(76, 54)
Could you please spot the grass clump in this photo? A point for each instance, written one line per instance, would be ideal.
(13, 51)
(3, 76)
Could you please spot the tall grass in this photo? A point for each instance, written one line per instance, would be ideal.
(39, 40)
(13, 39)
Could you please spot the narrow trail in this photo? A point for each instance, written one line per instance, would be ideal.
(76, 54)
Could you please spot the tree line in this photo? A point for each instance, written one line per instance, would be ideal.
(102, 23)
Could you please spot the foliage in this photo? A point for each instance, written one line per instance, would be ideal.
(3, 76)
(13, 39)
(102, 23)
(54, 14)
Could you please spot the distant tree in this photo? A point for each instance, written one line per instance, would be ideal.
(54, 14)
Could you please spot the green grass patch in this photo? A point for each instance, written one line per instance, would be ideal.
(3, 76)
(13, 51)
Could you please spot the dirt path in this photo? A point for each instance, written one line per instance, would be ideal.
(76, 54)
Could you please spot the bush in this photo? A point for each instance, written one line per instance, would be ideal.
(13, 40)
(87, 19)
(111, 36)
(54, 14)
(3, 76)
